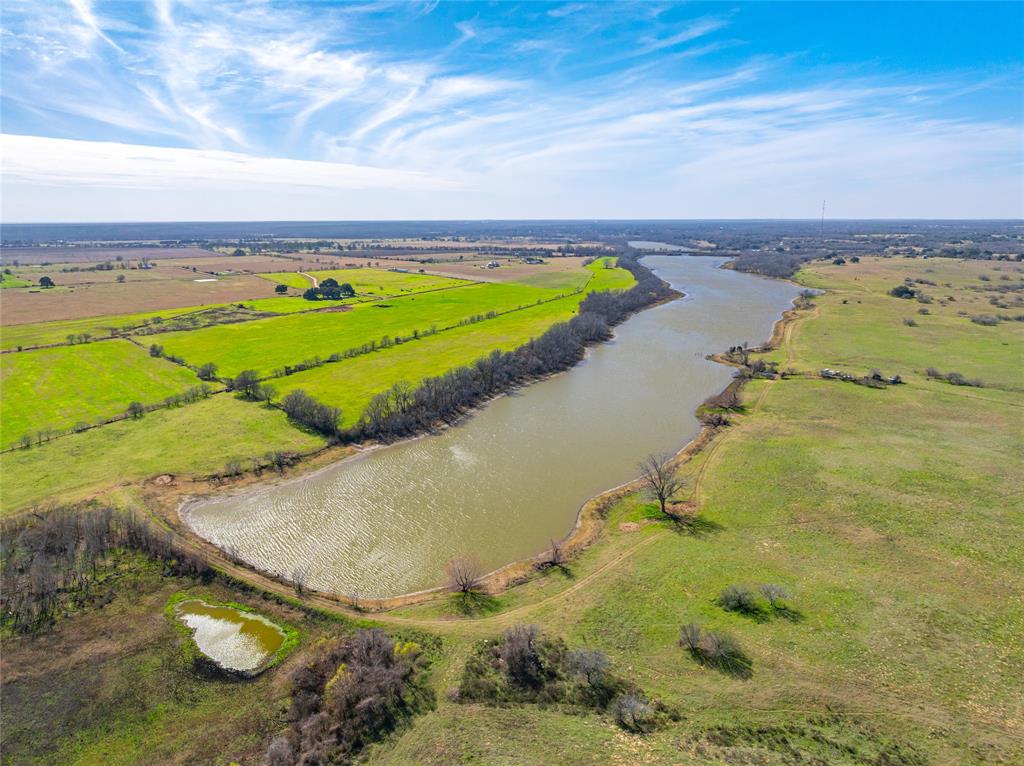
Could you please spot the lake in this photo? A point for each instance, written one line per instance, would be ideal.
(509, 479)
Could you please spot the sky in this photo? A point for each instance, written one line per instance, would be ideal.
(164, 110)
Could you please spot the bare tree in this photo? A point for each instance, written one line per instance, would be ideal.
(660, 479)
(300, 577)
(556, 555)
(463, 573)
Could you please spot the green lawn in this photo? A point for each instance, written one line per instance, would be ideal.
(197, 439)
(56, 388)
(268, 344)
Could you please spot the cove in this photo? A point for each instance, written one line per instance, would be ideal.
(506, 481)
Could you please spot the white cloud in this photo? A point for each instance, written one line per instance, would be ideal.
(37, 161)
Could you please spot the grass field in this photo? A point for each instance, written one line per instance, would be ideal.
(44, 333)
(846, 336)
(351, 383)
(891, 515)
(370, 282)
(56, 388)
(214, 431)
(268, 344)
(289, 278)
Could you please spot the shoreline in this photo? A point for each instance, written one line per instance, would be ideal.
(585, 531)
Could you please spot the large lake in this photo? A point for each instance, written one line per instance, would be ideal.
(512, 477)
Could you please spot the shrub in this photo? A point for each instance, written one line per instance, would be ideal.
(741, 599)
(909, 322)
(633, 713)
(986, 320)
(902, 291)
(716, 650)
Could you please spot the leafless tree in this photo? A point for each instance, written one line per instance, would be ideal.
(660, 479)
(556, 555)
(463, 573)
(300, 577)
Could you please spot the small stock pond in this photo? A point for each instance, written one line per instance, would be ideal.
(236, 640)
(511, 478)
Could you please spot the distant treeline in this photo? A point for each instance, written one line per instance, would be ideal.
(403, 410)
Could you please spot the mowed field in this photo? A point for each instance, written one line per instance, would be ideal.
(22, 306)
(193, 440)
(892, 516)
(57, 388)
(351, 383)
(94, 380)
(368, 282)
(268, 344)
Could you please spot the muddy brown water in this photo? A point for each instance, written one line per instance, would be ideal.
(234, 639)
(511, 478)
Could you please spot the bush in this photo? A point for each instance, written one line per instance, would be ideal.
(716, 650)
(351, 693)
(741, 599)
(633, 713)
(909, 322)
(986, 320)
(902, 291)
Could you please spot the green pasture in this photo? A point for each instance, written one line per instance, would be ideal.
(370, 282)
(351, 383)
(46, 333)
(857, 312)
(192, 440)
(268, 344)
(289, 278)
(893, 518)
(57, 388)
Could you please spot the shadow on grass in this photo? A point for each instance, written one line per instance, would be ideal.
(474, 603)
(732, 663)
(787, 612)
(695, 526)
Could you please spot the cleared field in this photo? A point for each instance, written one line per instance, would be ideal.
(267, 344)
(39, 255)
(370, 282)
(350, 384)
(906, 647)
(55, 388)
(217, 430)
(94, 300)
(43, 333)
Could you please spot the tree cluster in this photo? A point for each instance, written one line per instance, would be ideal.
(352, 692)
(329, 290)
(403, 410)
(53, 562)
(526, 666)
(304, 409)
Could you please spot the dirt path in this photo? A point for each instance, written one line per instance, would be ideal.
(311, 278)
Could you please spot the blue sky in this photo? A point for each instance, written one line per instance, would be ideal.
(202, 111)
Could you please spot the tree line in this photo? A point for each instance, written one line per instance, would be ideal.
(403, 410)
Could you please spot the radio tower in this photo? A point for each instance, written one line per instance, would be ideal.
(821, 229)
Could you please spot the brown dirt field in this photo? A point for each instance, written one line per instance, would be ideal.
(24, 307)
(93, 254)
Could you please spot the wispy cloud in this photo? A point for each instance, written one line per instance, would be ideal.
(467, 102)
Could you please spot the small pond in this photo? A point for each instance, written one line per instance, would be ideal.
(235, 640)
